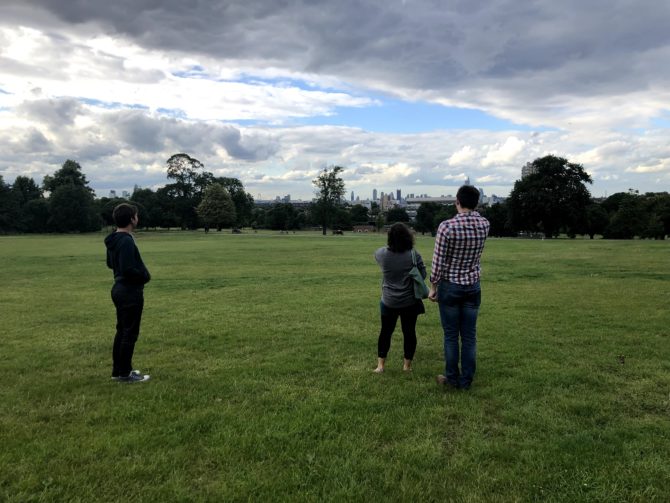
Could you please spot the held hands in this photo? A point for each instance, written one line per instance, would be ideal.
(432, 294)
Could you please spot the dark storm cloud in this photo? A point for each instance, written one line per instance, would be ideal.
(53, 112)
(426, 45)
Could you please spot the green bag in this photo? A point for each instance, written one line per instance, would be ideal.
(420, 288)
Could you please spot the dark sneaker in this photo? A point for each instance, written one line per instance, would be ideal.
(134, 378)
(442, 381)
(136, 372)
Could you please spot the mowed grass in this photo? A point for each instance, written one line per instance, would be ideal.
(261, 347)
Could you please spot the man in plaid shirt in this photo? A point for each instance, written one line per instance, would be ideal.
(454, 284)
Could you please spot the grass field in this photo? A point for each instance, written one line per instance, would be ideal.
(261, 348)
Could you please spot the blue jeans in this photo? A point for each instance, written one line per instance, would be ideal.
(459, 306)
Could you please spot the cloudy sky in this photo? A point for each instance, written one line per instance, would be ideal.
(409, 94)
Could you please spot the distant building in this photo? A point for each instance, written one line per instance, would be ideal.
(112, 194)
(398, 195)
(467, 181)
(125, 194)
(352, 195)
(374, 194)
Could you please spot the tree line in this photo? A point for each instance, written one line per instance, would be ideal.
(553, 199)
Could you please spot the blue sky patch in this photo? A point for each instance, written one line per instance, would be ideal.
(395, 116)
(112, 105)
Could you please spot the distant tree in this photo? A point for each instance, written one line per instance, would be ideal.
(281, 217)
(9, 208)
(359, 214)
(396, 215)
(166, 208)
(71, 209)
(498, 216)
(629, 220)
(330, 188)
(341, 219)
(69, 174)
(71, 203)
(35, 215)
(216, 208)
(425, 217)
(243, 201)
(146, 202)
(597, 219)
(25, 189)
(553, 198)
(187, 188)
(446, 212)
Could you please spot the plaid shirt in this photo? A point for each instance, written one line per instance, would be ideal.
(458, 249)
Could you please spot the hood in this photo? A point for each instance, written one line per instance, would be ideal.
(113, 240)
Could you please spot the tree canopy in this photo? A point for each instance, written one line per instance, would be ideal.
(555, 197)
(330, 190)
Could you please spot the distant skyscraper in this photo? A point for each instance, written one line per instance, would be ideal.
(352, 195)
(467, 180)
(112, 193)
(398, 195)
(374, 194)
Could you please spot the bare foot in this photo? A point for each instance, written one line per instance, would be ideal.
(378, 370)
(407, 365)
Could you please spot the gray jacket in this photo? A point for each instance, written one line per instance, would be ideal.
(397, 288)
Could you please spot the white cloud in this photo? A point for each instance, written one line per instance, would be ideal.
(505, 153)
(462, 156)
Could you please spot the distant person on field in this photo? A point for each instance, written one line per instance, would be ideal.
(130, 276)
(398, 301)
(455, 286)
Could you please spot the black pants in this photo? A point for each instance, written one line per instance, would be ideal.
(129, 303)
(389, 318)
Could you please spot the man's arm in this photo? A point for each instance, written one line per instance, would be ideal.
(439, 255)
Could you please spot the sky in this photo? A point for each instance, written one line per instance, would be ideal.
(414, 95)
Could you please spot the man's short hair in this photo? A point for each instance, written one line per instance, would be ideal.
(468, 197)
(123, 214)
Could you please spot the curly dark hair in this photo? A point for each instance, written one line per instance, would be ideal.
(400, 238)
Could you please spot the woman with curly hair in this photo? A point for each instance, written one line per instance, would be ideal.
(398, 301)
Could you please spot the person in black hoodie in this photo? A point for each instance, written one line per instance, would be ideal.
(130, 276)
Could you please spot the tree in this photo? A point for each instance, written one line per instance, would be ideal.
(146, 201)
(25, 189)
(498, 216)
(425, 217)
(626, 215)
(69, 174)
(553, 198)
(71, 204)
(243, 201)
(71, 209)
(9, 208)
(597, 219)
(216, 208)
(396, 215)
(359, 214)
(330, 192)
(190, 181)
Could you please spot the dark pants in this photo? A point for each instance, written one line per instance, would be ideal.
(459, 306)
(129, 303)
(389, 317)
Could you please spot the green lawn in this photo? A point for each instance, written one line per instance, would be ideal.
(261, 348)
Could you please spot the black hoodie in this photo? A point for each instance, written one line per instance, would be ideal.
(124, 258)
